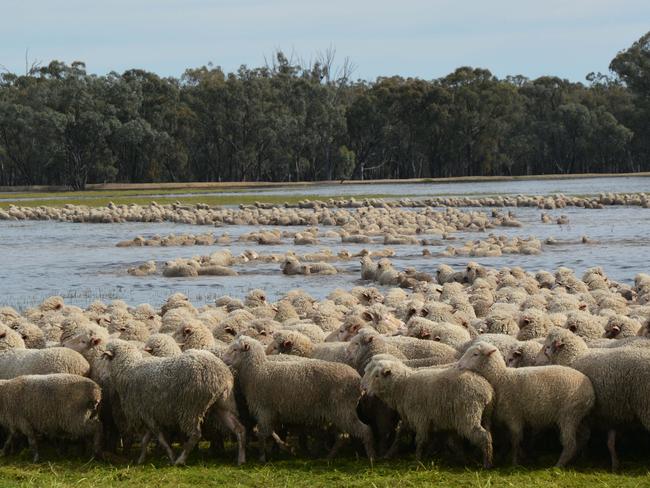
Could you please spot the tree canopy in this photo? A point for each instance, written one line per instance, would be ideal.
(60, 125)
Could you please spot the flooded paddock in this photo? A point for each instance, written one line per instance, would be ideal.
(81, 263)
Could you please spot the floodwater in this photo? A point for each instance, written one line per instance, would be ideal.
(81, 263)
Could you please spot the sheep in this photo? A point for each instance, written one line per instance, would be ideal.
(307, 392)
(292, 266)
(499, 322)
(297, 344)
(617, 374)
(434, 399)
(619, 327)
(52, 405)
(179, 270)
(18, 361)
(450, 334)
(144, 269)
(216, 270)
(533, 323)
(368, 268)
(523, 353)
(31, 334)
(538, 397)
(386, 274)
(162, 345)
(194, 335)
(196, 380)
(585, 325)
(368, 342)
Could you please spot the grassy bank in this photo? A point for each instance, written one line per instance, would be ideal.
(313, 474)
(125, 198)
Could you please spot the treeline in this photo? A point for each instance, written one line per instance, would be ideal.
(60, 125)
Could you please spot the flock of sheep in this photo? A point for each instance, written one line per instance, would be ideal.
(468, 354)
(480, 359)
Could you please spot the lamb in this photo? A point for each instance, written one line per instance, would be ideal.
(297, 344)
(444, 399)
(307, 392)
(386, 274)
(539, 397)
(162, 345)
(617, 375)
(196, 380)
(499, 322)
(56, 405)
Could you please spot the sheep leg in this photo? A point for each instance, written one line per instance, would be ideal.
(569, 444)
(33, 444)
(395, 445)
(7, 445)
(282, 444)
(611, 445)
(421, 439)
(362, 431)
(340, 441)
(482, 438)
(146, 438)
(165, 445)
(516, 435)
(233, 424)
(192, 440)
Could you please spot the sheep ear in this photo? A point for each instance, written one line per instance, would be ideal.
(368, 339)
(3, 335)
(96, 341)
(557, 345)
(108, 355)
(490, 352)
(437, 338)
(366, 316)
(246, 346)
(287, 344)
(572, 328)
(230, 330)
(516, 354)
(386, 372)
(187, 330)
(425, 335)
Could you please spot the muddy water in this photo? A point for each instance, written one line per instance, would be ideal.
(81, 263)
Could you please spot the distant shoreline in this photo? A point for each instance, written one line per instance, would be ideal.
(242, 185)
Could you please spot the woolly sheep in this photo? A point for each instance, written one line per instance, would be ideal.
(307, 392)
(617, 375)
(444, 399)
(196, 380)
(539, 397)
(52, 405)
(297, 344)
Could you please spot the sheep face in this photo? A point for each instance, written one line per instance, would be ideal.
(477, 356)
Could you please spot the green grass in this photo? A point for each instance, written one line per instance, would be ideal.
(101, 201)
(309, 473)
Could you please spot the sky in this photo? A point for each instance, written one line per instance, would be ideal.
(416, 38)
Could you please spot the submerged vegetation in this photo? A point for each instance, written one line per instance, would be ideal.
(287, 121)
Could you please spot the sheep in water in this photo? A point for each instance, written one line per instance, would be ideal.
(196, 380)
(305, 392)
(52, 405)
(539, 397)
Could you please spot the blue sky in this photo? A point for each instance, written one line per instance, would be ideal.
(420, 38)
